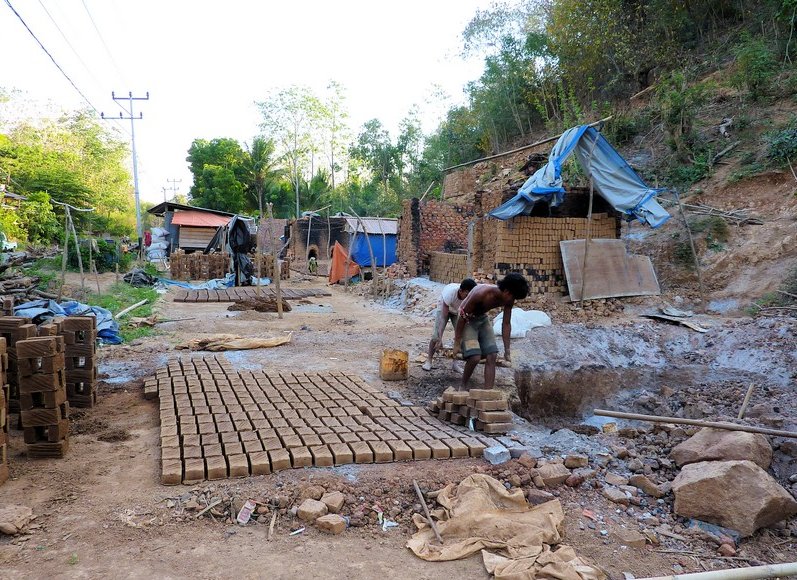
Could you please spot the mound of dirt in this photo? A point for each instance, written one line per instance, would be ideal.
(261, 304)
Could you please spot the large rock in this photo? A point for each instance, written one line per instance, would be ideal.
(720, 445)
(734, 494)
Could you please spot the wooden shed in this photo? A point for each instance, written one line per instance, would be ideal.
(190, 228)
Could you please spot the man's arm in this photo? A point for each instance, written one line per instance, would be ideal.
(506, 329)
(460, 327)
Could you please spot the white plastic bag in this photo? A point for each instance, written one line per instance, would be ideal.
(522, 322)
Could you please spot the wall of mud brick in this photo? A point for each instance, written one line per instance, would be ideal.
(447, 268)
(198, 266)
(316, 237)
(432, 226)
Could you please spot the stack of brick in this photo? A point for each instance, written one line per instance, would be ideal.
(198, 266)
(487, 408)
(3, 413)
(530, 245)
(447, 268)
(8, 306)
(44, 410)
(80, 336)
(265, 263)
(14, 329)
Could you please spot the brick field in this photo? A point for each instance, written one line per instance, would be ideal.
(218, 422)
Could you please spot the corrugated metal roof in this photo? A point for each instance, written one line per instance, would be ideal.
(200, 219)
(373, 226)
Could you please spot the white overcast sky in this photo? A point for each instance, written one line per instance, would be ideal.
(205, 63)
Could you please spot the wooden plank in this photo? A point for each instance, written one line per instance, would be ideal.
(611, 271)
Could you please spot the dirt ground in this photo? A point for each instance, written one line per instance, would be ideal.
(102, 512)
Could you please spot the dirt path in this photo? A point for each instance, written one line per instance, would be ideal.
(102, 511)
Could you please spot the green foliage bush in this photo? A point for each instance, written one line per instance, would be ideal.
(682, 254)
(105, 255)
(755, 66)
(782, 143)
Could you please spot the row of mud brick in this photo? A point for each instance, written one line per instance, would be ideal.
(264, 267)
(485, 410)
(198, 266)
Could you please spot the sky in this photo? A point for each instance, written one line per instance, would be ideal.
(205, 64)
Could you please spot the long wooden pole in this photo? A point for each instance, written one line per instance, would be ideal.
(537, 144)
(79, 257)
(374, 275)
(696, 422)
(259, 252)
(694, 252)
(746, 401)
(277, 273)
(65, 257)
(589, 220)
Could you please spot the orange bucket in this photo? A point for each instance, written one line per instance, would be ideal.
(393, 365)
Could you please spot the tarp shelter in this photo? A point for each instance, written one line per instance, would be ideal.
(337, 269)
(239, 244)
(382, 233)
(611, 175)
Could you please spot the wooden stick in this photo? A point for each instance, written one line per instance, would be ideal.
(79, 257)
(694, 253)
(746, 401)
(96, 277)
(65, 257)
(259, 254)
(698, 423)
(210, 506)
(786, 293)
(271, 525)
(277, 272)
(428, 189)
(589, 221)
(131, 308)
(374, 274)
(426, 511)
(543, 142)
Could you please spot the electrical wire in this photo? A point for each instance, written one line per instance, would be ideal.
(69, 44)
(102, 39)
(47, 52)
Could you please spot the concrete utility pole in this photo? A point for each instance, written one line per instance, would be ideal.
(131, 116)
(174, 187)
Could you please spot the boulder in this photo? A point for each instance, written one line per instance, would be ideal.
(334, 501)
(332, 524)
(646, 485)
(735, 494)
(719, 445)
(553, 474)
(311, 510)
(14, 519)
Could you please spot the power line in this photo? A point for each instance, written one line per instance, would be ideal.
(104, 44)
(47, 52)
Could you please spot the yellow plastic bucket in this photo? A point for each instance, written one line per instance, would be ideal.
(393, 365)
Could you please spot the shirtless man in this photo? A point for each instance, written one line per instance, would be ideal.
(474, 333)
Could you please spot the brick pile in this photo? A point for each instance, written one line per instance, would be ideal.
(530, 245)
(3, 412)
(267, 266)
(487, 408)
(198, 266)
(217, 422)
(447, 268)
(13, 329)
(8, 306)
(44, 410)
(80, 336)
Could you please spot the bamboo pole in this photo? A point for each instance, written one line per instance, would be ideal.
(696, 422)
(79, 257)
(130, 308)
(65, 257)
(694, 252)
(751, 573)
(537, 144)
(426, 511)
(348, 261)
(589, 220)
(259, 254)
(277, 272)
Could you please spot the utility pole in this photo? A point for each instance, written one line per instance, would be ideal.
(131, 116)
(174, 187)
(164, 190)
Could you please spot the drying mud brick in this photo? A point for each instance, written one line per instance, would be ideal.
(496, 405)
(342, 453)
(44, 417)
(439, 449)
(79, 323)
(494, 427)
(280, 459)
(401, 451)
(382, 452)
(48, 450)
(495, 416)
(259, 463)
(334, 501)
(322, 456)
(486, 394)
(45, 399)
(458, 448)
(239, 465)
(301, 457)
(475, 447)
(420, 450)
(194, 470)
(33, 348)
(362, 452)
(47, 433)
(216, 467)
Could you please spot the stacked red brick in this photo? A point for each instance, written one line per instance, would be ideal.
(80, 336)
(44, 410)
(488, 408)
(13, 329)
(447, 268)
(3, 413)
(266, 266)
(198, 266)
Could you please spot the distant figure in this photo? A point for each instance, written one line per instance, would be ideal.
(474, 333)
(450, 300)
(312, 265)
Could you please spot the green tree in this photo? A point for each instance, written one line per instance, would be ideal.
(377, 152)
(219, 169)
(260, 169)
(36, 215)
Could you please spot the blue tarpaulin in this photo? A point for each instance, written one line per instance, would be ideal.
(384, 254)
(41, 310)
(611, 175)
